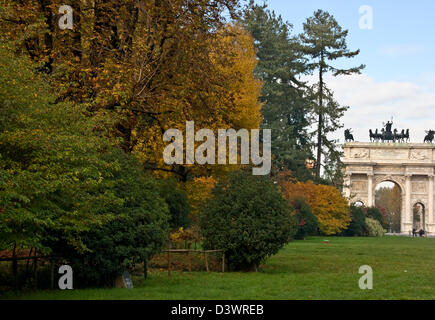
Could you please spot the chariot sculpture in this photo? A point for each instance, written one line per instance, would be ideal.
(386, 134)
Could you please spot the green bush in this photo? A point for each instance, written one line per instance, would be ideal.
(375, 213)
(177, 202)
(306, 220)
(247, 217)
(374, 228)
(135, 229)
(357, 225)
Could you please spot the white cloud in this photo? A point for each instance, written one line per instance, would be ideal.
(401, 50)
(411, 104)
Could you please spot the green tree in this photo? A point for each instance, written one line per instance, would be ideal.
(177, 202)
(285, 109)
(247, 217)
(64, 187)
(323, 41)
(357, 225)
(305, 218)
(49, 160)
(375, 213)
(136, 231)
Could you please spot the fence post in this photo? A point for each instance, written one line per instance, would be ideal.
(15, 268)
(169, 263)
(223, 261)
(189, 260)
(35, 269)
(26, 275)
(51, 273)
(206, 261)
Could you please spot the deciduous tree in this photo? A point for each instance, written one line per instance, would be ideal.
(326, 202)
(65, 188)
(150, 65)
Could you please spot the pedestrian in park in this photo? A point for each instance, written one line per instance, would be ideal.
(414, 232)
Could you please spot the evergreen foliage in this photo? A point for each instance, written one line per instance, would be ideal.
(248, 218)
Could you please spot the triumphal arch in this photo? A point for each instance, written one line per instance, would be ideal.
(409, 165)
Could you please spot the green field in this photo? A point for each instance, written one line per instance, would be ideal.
(403, 268)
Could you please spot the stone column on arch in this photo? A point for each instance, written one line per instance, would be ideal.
(347, 183)
(408, 209)
(430, 200)
(370, 202)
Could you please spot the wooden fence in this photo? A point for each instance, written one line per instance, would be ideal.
(35, 258)
(188, 252)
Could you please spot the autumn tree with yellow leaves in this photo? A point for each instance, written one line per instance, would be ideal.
(326, 202)
(150, 65)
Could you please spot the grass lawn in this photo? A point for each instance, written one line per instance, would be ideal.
(403, 268)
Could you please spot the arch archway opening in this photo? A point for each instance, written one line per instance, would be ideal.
(388, 199)
(418, 217)
(359, 203)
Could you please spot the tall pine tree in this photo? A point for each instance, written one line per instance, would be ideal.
(285, 109)
(324, 41)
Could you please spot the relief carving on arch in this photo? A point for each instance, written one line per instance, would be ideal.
(360, 153)
(360, 185)
(418, 187)
(419, 155)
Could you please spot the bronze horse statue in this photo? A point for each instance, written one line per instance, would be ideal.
(405, 136)
(348, 136)
(375, 137)
(430, 136)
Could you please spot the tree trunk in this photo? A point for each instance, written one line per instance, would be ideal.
(320, 125)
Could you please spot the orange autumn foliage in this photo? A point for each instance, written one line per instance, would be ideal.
(198, 191)
(145, 67)
(326, 202)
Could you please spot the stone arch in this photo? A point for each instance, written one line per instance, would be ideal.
(411, 166)
(399, 180)
(423, 221)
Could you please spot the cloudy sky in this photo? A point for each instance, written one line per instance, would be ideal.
(399, 54)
